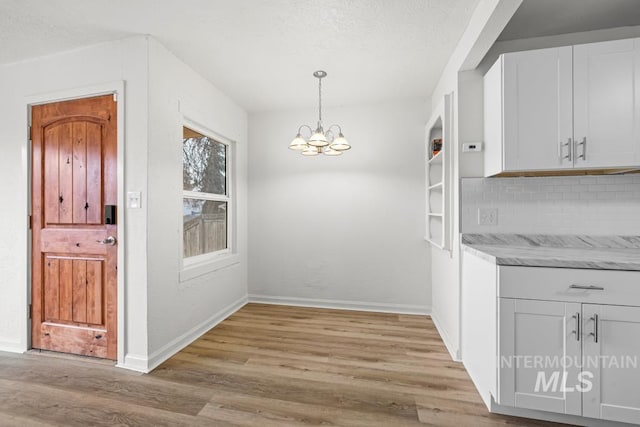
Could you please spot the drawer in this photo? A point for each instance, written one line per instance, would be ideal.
(567, 284)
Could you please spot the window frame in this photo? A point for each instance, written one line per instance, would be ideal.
(205, 263)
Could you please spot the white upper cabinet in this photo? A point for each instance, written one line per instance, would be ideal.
(537, 109)
(606, 81)
(564, 108)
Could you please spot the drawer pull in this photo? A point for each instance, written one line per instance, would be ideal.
(587, 287)
(577, 330)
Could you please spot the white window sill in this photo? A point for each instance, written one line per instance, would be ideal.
(196, 270)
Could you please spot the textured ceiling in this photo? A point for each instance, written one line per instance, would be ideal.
(537, 18)
(262, 53)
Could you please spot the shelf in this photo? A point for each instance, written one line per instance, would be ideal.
(437, 158)
(434, 243)
(435, 186)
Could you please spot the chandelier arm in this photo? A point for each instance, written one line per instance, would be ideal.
(335, 125)
(305, 126)
(330, 135)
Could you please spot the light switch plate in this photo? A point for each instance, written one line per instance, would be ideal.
(488, 216)
(134, 200)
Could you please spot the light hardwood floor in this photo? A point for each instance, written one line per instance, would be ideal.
(263, 366)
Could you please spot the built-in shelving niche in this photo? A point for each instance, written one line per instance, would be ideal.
(437, 171)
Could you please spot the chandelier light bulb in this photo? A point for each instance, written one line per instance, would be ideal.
(318, 139)
(311, 151)
(340, 143)
(331, 152)
(298, 143)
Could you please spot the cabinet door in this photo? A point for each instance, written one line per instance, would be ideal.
(537, 109)
(607, 104)
(612, 357)
(539, 355)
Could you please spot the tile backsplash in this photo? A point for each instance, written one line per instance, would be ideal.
(596, 205)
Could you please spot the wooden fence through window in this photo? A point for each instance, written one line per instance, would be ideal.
(204, 233)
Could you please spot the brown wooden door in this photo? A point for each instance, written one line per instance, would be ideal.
(74, 264)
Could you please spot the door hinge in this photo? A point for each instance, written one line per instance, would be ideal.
(30, 135)
(30, 222)
(115, 96)
(30, 311)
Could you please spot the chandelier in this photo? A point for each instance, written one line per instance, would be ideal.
(320, 141)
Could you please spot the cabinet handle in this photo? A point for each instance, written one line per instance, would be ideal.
(583, 156)
(569, 153)
(587, 287)
(595, 328)
(577, 330)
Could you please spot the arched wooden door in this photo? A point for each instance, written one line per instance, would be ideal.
(74, 234)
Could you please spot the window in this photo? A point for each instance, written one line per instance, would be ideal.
(206, 201)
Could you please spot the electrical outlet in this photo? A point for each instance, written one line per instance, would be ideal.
(488, 216)
(471, 147)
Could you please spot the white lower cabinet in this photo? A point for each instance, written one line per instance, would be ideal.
(536, 339)
(612, 337)
(570, 357)
(559, 340)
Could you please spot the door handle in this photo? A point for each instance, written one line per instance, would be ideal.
(577, 330)
(110, 240)
(569, 155)
(594, 334)
(583, 156)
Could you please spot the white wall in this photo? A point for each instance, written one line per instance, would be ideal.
(162, 314)
(485, 25)
(340, 231)
(487, 22)
(116, 61)
(180, 311)
(446, 275)
(594, 205)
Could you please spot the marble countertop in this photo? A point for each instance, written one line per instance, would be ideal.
(591, 252)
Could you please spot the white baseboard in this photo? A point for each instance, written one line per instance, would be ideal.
(135, 362)
(142, 364)
(485, 394)
(341, 305)
(556, 418)
(165, 352)
(452, 348)
(12, 347)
